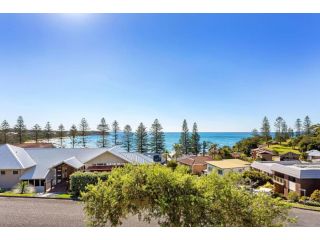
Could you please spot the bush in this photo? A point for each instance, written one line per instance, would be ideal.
(2, 190)
(172, 164)
(303, 199)
(312, 203)
(293, 197)
(80, 180)
(315, 196)
(178, 199)
(277, 195)
(257, 178)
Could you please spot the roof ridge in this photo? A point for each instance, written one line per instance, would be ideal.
(14, 154)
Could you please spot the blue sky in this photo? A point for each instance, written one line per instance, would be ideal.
(224, 71)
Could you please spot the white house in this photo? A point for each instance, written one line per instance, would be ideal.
(228, 165)
(47, 167)
(313, 155)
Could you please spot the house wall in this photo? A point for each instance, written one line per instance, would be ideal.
(308, 184)
(265, 156)
(211, 168)
(106, 158)
(9, 180)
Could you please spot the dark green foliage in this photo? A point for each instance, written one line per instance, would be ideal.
(83, 131)
(185, 138)
(265, 129)
(20, 128)
(179, 199)
(80, 180)
(127, 140)
(5, 130)
(103, 129)
(257, 178)
(141, 138)
(48, 131)
(157, 139)
(247, 144)
(115, 133)
(195, 140)
(172, 164)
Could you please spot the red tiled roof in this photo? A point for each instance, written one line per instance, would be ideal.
(194, 160)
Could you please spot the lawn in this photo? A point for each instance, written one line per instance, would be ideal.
(64, 196)
(13, 194)
(281, 149)
(307, 207)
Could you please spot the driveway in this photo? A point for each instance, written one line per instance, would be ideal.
(24, 212)
(305, 218)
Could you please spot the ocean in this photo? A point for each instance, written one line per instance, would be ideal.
(220, 138)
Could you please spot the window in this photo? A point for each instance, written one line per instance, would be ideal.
(36, 183)
(15, 172)
(42, 182)
(31, 182)
(220, 172)
(3, 172)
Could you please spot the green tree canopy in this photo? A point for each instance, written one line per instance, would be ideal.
(141, 138)
(179, 199)
(127, 141)
(20, 128)
(103, 129)
(5, 127)
(115, 132)
(185, 138)
(265, 129)
(157, 139)
(195, 140)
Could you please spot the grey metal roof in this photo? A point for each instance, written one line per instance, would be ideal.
(301, 171)
(12, 157)
(131, 157)
(47, 158)
(266, 166)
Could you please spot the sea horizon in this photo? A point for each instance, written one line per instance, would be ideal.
(220, 138)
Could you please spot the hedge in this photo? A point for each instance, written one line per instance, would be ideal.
(79, 180)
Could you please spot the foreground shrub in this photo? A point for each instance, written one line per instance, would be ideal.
(80, 180)
(312, 203)
(315, 196)
(293, 197)
(176, 198)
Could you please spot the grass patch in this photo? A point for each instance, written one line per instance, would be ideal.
(282, 149)
(307, 207)
(64, 196)
(13, 194)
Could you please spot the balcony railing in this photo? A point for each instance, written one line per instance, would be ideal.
(278, 180)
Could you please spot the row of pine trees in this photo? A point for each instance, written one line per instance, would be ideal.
(141, 140)
(282, 131)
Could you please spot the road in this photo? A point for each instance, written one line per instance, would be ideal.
(23, 212)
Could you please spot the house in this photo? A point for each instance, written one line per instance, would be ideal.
(45, 168)
(197, 164)
(228, 165)
(262, 154)
(293, 175)
(289, 156)
(313, 155)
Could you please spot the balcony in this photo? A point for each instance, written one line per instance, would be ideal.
(278, 180)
